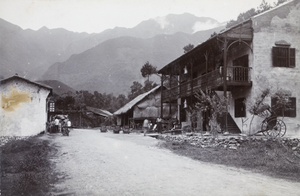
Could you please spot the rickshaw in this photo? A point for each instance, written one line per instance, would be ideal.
(272, 126)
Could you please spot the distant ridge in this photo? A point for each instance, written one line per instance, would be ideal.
(58, 87)
(108, 61)
(112, 66)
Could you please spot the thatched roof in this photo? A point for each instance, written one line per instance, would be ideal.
(135, 101)
(99, 112)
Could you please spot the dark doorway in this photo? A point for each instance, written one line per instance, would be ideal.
(239, 108)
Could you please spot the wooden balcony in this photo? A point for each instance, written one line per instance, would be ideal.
(236, 76)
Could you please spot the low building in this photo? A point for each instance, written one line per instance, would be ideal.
(23, 107)
(147, 105)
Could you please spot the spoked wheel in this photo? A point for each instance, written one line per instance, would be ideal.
(282, 126)
(273, 127)
(264, 128)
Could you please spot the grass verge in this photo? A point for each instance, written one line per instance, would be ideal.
(25, 167)
(272, 157)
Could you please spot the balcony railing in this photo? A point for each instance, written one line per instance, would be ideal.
(236, 76)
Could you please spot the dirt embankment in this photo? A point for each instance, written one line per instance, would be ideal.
(278, 157)
(25, 165)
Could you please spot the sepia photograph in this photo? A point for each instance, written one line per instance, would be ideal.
(150, 98)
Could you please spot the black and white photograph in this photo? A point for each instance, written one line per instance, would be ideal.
(150, 98)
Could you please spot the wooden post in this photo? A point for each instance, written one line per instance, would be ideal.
(179, 98)
(80, 118)
(192, 82)
(170, 113)
(225, 81)
(161, 97)
(206, 70)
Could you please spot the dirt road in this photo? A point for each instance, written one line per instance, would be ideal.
(94, 163)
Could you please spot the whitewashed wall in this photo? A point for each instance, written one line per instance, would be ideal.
(29, 116)
(280, 24)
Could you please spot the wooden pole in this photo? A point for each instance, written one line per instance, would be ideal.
(161, 97)
(225, 81)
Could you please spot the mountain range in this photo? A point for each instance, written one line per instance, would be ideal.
(107, 62)
(58, 88)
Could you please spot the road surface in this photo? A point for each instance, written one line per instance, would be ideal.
(94, 163)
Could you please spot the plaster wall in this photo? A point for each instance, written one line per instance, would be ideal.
(281, 24)
(238, 50)
(22, 117)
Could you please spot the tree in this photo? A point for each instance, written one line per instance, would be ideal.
(136, 89)
(213, 105)
(213, 34)
(246, 15)
(188, 48)
(264, 6)
(280, 2)
(147, 70)
(282, 102)
(242, 17)
(148, 85)
(120, 101)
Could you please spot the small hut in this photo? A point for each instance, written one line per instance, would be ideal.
(23, 109)
(146, 105)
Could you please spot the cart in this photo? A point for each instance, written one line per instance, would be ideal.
(272, 126)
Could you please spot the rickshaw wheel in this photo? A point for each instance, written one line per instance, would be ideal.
(274, 127)
(264, 127)
(282, 126)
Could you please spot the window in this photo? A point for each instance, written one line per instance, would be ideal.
(51, 107)
(239, 108)
(288, 111)
(284, 56)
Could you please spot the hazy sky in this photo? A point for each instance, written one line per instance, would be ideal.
(94, 16)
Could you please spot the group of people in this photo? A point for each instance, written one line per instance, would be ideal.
(57, 124)
(147, 125)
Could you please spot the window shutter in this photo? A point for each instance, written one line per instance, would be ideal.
(275, 53)
(276, 110)
(284, 57)
(291, 112)
(292, 57)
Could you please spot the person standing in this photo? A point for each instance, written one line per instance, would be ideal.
(69, 124)
(56, 124)
(145, 126)
(159, 125)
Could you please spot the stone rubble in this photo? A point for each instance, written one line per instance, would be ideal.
(230, 141)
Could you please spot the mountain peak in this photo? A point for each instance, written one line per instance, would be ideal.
(186, 23)
(44, 28)
(86, 61)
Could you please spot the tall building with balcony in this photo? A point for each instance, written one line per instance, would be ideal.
(238, 64)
